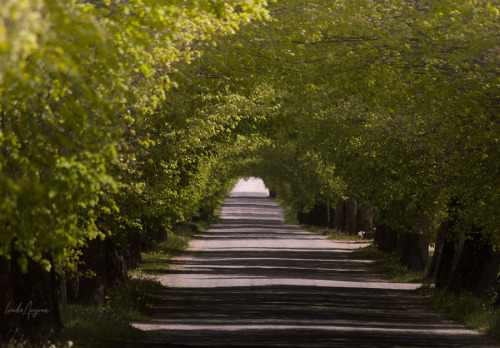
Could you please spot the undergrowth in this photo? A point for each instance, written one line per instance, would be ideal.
(88, 326)
(157, 259)
(388, 265)
(289, 212)
(335, 234)
(482, 315)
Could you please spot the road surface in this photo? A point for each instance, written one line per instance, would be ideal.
(253, 281)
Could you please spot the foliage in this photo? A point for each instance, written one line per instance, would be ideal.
(83, 88)
(289, 213)
(392, 102)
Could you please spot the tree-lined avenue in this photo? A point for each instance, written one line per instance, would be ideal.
(121, 122)
(253, 280)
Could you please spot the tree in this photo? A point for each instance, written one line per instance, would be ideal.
(81, 82)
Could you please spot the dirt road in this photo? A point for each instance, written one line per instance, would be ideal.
(252, 281)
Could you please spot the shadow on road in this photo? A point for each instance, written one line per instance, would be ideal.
(301, 316)
(253, 281)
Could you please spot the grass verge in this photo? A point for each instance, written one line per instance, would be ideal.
(87, 326)
(335, 234)
(388, 266)
(481, 315)
(289, 213)
(157, 259)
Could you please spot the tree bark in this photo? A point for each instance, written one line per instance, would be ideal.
(364, 221)
(134, 247)
(488, 274)
(386, 239)
(452, 250)
(35, 301)
(108, 262)
(415, 251)
(9, 321)
(318, 216)
(90, 290)
(116, 267)
(477, 268)
(438, 250)
(351, 216)
(339, 216)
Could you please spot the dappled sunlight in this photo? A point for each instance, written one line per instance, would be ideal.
(301, 316)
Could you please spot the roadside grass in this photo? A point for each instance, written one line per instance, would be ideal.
(482, 315)
(22, 343)
(388, 266)
(88, 326)
(157, 260)
(95, 327)
(132, 300)
(335, 234)
(289, 213)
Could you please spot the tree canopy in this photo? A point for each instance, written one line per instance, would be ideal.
(90, 143)
(393, 102)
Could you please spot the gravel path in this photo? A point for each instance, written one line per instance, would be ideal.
(253, 281)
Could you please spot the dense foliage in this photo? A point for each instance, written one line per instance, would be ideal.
(90, 143)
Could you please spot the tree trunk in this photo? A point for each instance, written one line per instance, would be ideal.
(452, 249)
(35, 301)
(9, 321)
(478, 266)
(415, 251)
(386, 239)
(364, 221)
(116, 267)
(328, 215)
(90, 290)
(351, 216)
(488, 274)
(339, 216)
(318, 216)
(108, 263)
(134, 247)
(438, 250)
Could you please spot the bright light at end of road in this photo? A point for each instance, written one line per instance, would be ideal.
(250, 187)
